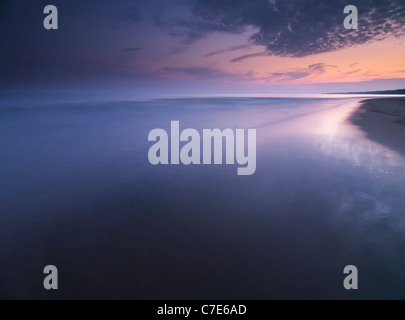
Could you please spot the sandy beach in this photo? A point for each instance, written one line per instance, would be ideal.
(383, 120)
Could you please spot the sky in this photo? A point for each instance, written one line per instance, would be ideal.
(203, 46)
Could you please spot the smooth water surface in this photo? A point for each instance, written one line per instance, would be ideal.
(77, 191)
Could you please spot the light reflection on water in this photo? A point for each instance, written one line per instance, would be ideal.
(77, 191)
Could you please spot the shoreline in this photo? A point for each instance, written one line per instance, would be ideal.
(383, 121)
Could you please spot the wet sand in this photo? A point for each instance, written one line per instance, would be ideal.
(383, 121)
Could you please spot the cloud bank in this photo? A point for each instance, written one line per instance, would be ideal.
(291, 28)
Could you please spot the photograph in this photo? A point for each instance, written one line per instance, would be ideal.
(202, 157)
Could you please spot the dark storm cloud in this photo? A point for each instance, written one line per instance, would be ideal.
(293, 28)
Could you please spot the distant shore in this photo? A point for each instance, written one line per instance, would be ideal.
(383, 120)
(387, 92)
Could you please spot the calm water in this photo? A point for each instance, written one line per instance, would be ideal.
(77, 191)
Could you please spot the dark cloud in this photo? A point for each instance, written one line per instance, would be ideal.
(313, 69)
(229, 49)
(131, 49)
(319, 67)
(291, 75)
(292, 28)
(252, 55)
(211, 73)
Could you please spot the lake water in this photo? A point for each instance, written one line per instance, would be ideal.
(77, 191)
